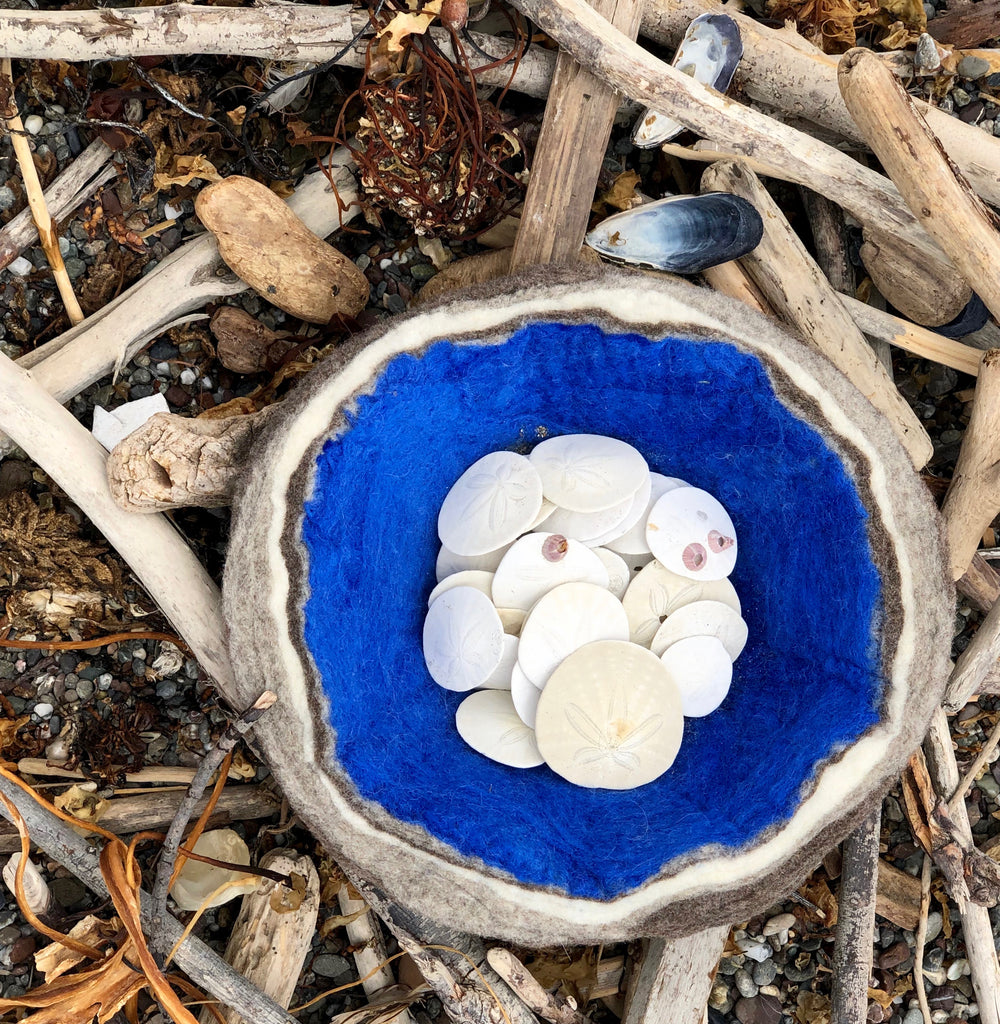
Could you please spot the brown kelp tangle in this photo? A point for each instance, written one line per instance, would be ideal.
(426, 146)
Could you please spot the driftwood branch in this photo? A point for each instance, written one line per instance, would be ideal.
(975, 664)
(973, 499)
(206, 969)
(536, 998)
(980, 585)
(795, 286)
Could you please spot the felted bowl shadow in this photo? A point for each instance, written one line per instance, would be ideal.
(841, 574)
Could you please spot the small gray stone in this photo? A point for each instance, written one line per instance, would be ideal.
(75, 267)
(720, 999)
(422, 271)
(797, 974)
(43, 710)
(973, 67)
(764, 973)
(914, 1016)
(327, 965)
(934, 924)
(166, 688)
(960, 97)
(989, 786)
(68, 892)
(394, 303)
(7, 198)
(778, 923)
(745, 983)
(9, 934)
(85, 689)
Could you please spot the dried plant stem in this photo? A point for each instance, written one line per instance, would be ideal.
(983, 757)
(171, 844)
(36, 200)
(921, 938)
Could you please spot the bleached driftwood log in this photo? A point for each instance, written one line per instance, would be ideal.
(795, 287)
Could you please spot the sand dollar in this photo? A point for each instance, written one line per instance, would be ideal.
(588, 472)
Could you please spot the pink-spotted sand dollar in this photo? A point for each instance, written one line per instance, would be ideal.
(588, 472)
(610, 717)
(492, 503)
(703, 618)
(690, 532)
(564, 620)
(488, 722)
(540, 561)
(463, 639)
(703, 672)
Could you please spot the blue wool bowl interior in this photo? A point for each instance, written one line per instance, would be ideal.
(807, 684)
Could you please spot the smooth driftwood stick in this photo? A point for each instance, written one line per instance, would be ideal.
(852, 954)
(579, 113)
(954, 216)
(207, 970)
(537, 999)
(674, 978)
(980, 585)
(973, 499)
(976, 927)
(81, 179)
(154, 550)
(795, 286)
(975, 664)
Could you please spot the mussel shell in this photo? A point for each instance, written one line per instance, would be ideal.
(680, 234)
(709, 52)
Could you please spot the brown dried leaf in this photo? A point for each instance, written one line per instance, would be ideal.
(813, 1008)
(9, 728)
(404, 24)
(55, 959)
(816, 891)
(621, 195)
(82, 802)
(183, 169)
(919, 799)
(332, 923)
(829, 24)
(286, 899)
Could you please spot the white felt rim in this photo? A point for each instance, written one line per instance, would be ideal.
(836, 781)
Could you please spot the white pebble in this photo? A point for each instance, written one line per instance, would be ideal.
(172, 212)
(384, 264)
(188, 376)
(760, 952)
(778, 923)
(44, 710)
(33, 124)
(20, 267)
(162, 369)
(958, 969)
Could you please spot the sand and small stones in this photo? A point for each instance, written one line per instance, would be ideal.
(586, 658)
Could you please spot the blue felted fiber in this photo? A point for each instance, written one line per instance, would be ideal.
(807, 684)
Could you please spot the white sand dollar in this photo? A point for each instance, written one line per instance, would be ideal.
(540, 561)
(636, 512)
(525, 696)
(656, 592)
(478, 579)
(448, 563)
(588, 472)
(488, 722)
(619, 576)
(564, 620)
(703, 618)
(690, 532)
(586, 527)
(610, 717)
(703, 672)
(463, 639)
(493, 502)
(548, 507)
(633, 542)
(500, 677)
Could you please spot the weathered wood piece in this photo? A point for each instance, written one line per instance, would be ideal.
(976, 663)
(973, 499)
(795, 286)
(674, 978)
(91, 169)
(157, 554)
(897, 896)
(206, 969)
(268, 944)
(967, 26)
(954, 216)
(980, 585)
(852, 953)
(732, 280)
(536, 998)
(976, 928)
(579, 114)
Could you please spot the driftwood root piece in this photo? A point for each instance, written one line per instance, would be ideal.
(245, 345)
(796, 287)
(973, 499)
(173, 461)
(263, 242)
(271, 937)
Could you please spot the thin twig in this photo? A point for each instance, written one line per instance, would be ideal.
(921, 938)
(36, 200)
(171, 844)
(974, 769)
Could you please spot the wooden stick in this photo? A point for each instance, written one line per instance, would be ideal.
(973, 499)
(157, 554)
(732, 280)
(536, 998)
(954, 216)
(154, 811)
(81, 179)
(154, 773)
(980, 585)
(852, 954)
(268, 945)
(674, 978)
(205, 968)
(967, 26)
(975, 664)
(921, 938)
(579, 114)
(976, 927)
(795, 286)
(36, 199)
(897, 896)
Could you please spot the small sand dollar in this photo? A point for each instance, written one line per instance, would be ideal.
(525, 696)
(488, 722)
(690, 532)
(448, 563)
(610, 717)
(564, 620)
(636, 514)
(499, 678)
(656, 592)
(634, 541)
(537, 563)
(478, 579)
(619, 576)
(492, 503)
(587, 527)
(703, 672)
(588, 472)
(703, 618)
(463, 639)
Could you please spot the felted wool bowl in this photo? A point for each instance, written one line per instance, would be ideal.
(841, 574)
